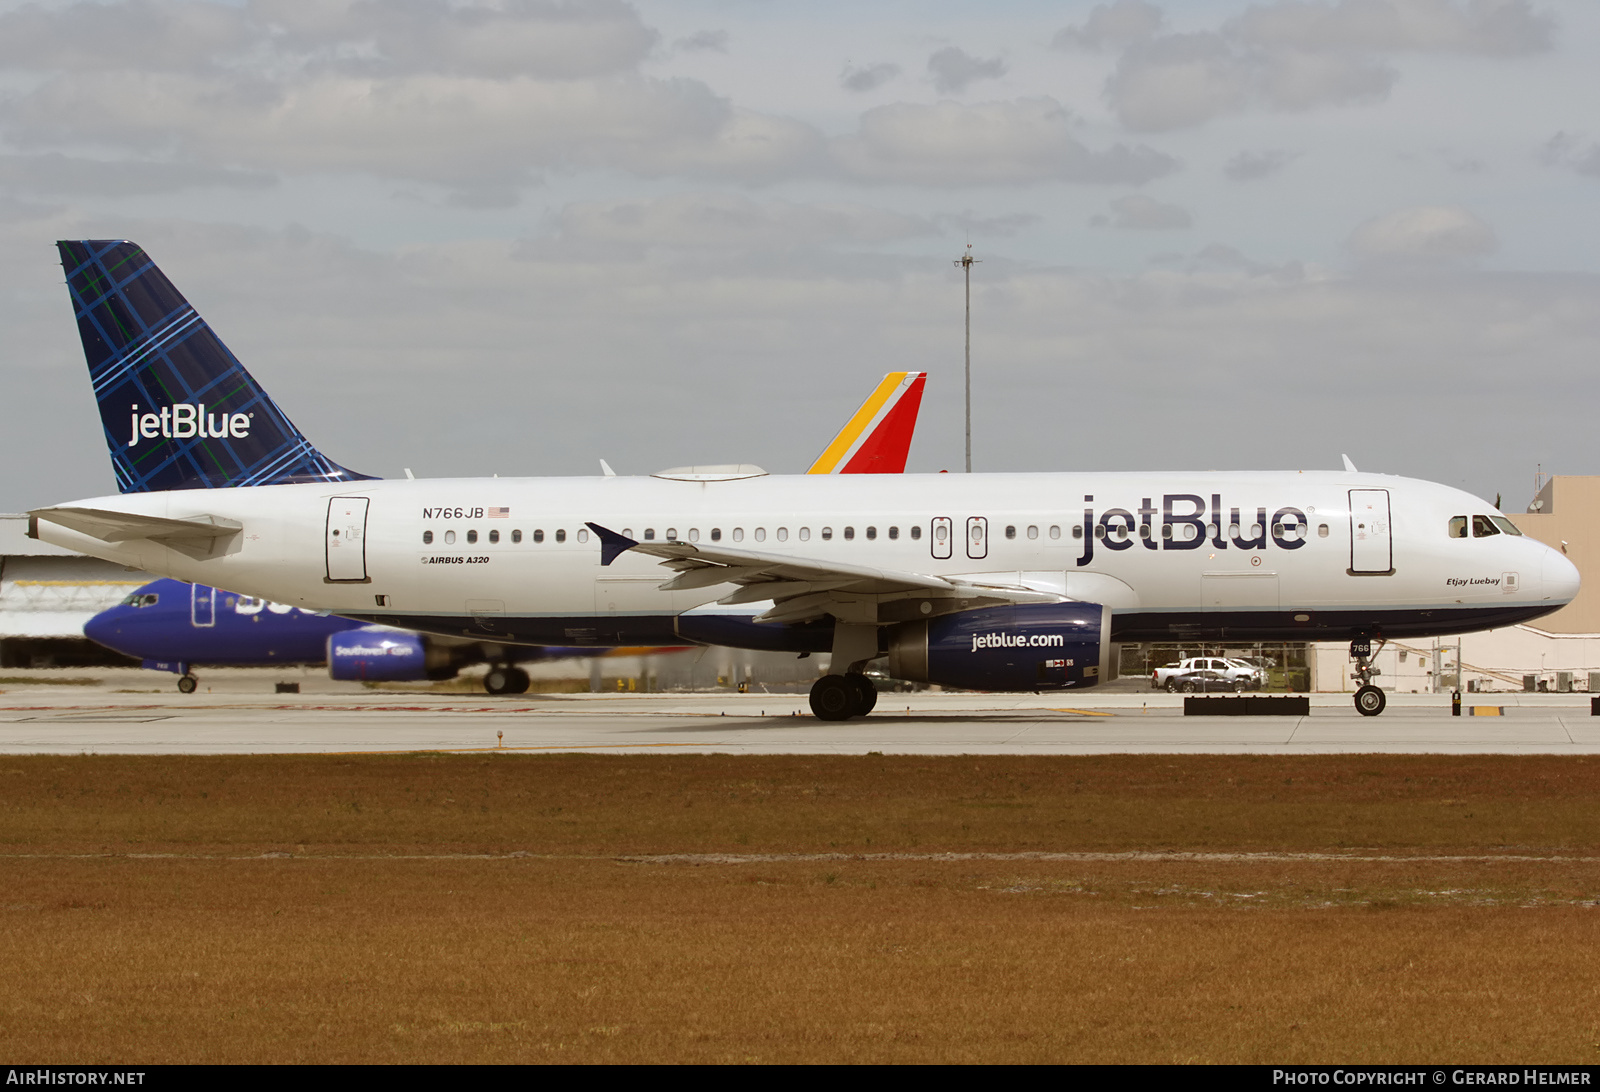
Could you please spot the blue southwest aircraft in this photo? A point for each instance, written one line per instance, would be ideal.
(170, 625)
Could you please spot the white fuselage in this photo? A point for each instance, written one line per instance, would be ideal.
(1298, 564)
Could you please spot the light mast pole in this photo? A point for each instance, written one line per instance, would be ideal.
(966, 262)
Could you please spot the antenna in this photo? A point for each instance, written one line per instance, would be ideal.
(966, 262)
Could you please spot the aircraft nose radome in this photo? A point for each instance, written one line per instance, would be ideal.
(100, 629)
(1560, 576)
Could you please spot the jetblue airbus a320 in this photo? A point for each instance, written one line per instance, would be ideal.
(988, 581)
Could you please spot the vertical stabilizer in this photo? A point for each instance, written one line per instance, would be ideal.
(180, 411)
(878, 438)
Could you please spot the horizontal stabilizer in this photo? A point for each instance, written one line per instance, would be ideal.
(108, 526)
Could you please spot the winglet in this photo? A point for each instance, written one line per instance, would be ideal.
(1350, 467)
(877, 439)
(611, 543)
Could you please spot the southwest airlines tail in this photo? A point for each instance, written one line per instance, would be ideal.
(878, 437)
(180, 411)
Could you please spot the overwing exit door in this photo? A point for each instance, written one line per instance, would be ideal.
(939, 541)
(1371, 547)
(977, 537)
(347, 539)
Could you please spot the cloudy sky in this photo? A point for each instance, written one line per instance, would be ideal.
(517, 236)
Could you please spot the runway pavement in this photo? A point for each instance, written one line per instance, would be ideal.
(36, 719)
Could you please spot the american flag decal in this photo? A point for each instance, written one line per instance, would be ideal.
(499, 513)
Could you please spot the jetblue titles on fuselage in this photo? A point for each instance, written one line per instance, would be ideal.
(1188, 529)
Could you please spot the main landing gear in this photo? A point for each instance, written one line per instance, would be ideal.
(840, 697)
(506, 679)
(187, 684)
(1369, 699)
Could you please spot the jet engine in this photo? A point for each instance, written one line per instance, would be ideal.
(376, 654)
(1029, 646)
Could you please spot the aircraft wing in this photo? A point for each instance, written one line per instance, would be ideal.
(802, 589)
(189, 534)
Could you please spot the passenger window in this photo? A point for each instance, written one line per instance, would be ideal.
(716, 534)
(1482, 527)
(649, 535)
(627, 532)
(827, 534)
(761, 534)
(583, 535)
(1166, 530)
(427, 538)
(1100, 530)
(1458, 526)
(738, 534)
(694, 534)
(561, 535)
(472, 536)
(1322, 530)
(494, 536)
(783, 534)
(1055, 530)
(916, 532)
(894, 532)
(849, 533)
(672, 534)
(1077, 531)
(538, 536)
(805, 534)
(1011, 530)
(1033, 532)
(516, 536)
(449, 538)
(872, 533)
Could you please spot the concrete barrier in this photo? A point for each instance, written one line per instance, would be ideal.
(1254, 705)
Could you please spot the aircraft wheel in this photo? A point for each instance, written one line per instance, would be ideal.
(498, 680)
(519, 681)
(835, 697)
(187, 684)
(866, 694)
(1370, 701)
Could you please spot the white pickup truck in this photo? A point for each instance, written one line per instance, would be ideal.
(1163, 678)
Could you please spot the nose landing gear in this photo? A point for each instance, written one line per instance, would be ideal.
(1370, 700)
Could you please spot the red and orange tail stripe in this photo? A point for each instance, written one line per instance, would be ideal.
(878, 438)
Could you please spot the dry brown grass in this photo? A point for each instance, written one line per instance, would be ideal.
(686, 908)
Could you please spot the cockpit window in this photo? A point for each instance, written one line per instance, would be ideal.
(148, 599)
(1458, 526)
(1506, 525)
(1483, 527)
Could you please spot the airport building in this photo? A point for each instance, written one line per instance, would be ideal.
(46, 595)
